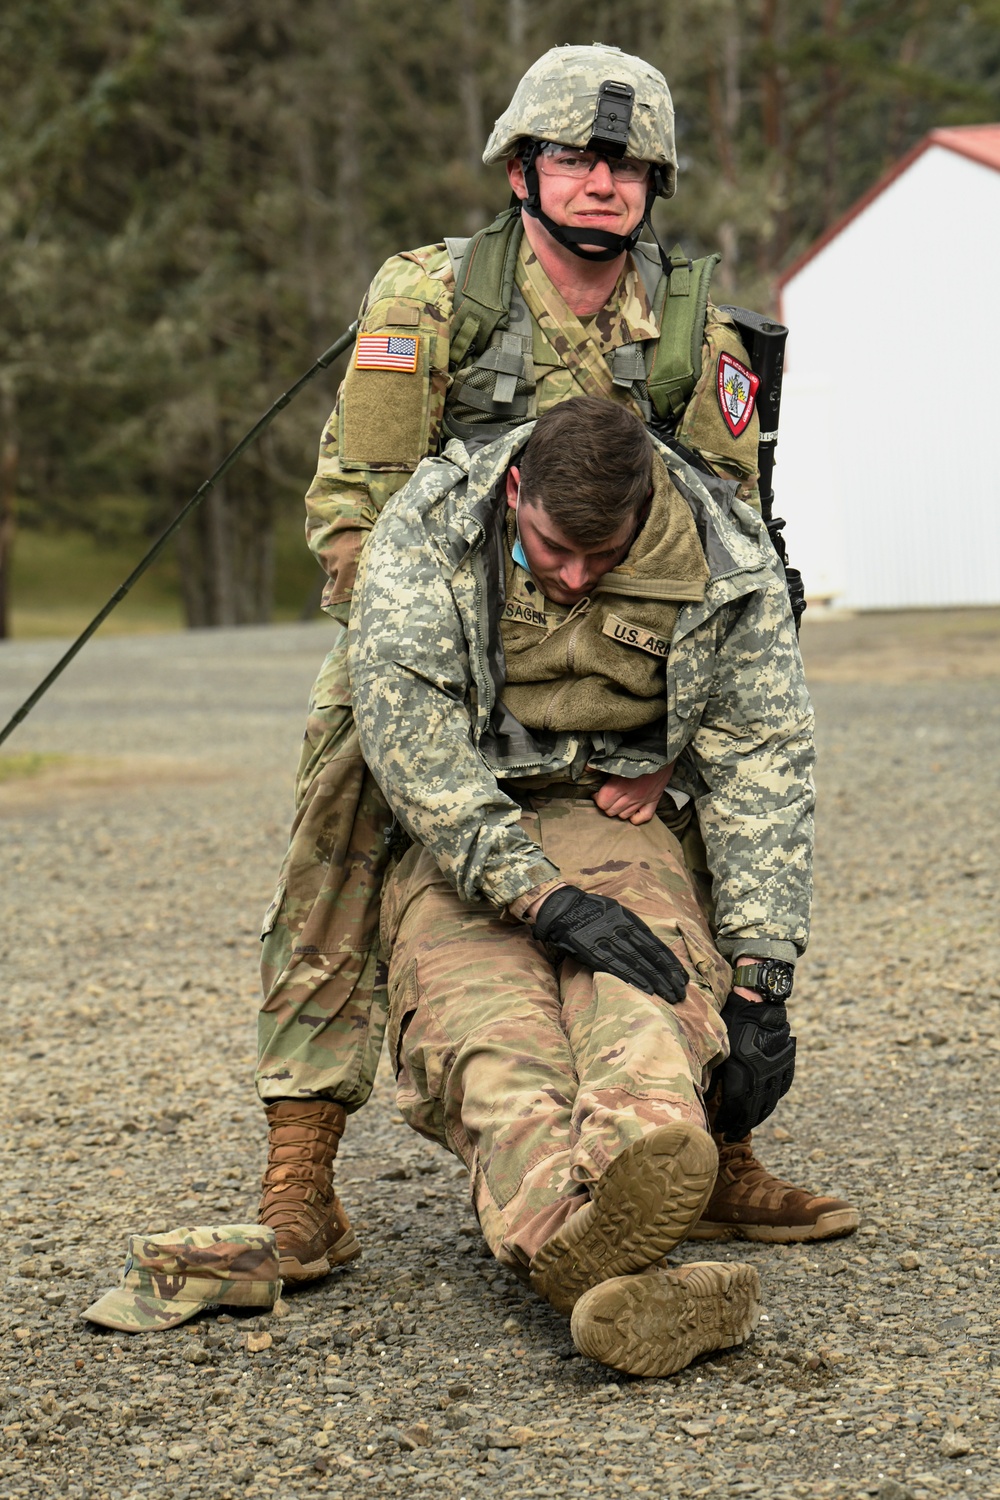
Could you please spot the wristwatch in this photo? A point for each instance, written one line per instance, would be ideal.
(770, 977)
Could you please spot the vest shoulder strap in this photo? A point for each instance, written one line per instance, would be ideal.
(484, 283)
(681, 304)
(647, 262)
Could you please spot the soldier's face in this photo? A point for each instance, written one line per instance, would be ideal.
(597, 201)
(564, 571)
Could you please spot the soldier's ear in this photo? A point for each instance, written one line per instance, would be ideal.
(513, 481)
(515, 176)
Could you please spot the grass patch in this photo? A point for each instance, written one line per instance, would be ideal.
(60, 579)
(32, 763)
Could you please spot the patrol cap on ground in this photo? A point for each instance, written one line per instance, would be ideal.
(170, 1277)
(556, 100)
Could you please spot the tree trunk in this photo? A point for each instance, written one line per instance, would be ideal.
(8, 497)
(725, 104)
(831, 112)
(352, 250)
(774, 243)
(517, 36)
(471, 96)
(908, 53)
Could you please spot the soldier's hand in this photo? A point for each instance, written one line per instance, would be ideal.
(760, 1065)
(635, 798)
(608, 938)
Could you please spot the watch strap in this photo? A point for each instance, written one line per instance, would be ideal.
(747, 975)
(757, 976)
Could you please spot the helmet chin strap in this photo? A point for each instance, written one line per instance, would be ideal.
(574, 240)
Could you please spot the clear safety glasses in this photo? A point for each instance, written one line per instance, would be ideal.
(566, 161)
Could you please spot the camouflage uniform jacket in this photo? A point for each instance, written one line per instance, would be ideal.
(426, 678)
(387, 421)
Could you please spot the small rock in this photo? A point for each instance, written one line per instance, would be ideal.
(179, 1451)
(258, 1342)
(891, 1489)
(499, 1439)
(779, 1133)
(512, 1326)
(457, 1417)
(953, 1445)
(458, 1391)
(696, 1429)
(417, 1436)
(394, 1174)
(321, 1439)
(195, 1353)
(908, 1261)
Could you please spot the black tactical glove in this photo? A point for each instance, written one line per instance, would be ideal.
(609, 938)
(760, 1065)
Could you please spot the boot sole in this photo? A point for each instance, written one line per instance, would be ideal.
(642, 1207)
(827, 1227)
(655, 1323)
(292, 1270)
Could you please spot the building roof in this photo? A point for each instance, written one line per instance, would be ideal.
(980, 143)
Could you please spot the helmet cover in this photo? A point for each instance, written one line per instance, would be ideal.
(557, 100)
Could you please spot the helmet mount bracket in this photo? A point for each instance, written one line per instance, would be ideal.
(612, 118)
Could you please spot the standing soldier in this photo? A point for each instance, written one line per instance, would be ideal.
(558, 297)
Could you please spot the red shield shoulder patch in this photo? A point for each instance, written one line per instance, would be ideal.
(737, 387)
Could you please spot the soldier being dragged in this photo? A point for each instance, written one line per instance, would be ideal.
(539, 651)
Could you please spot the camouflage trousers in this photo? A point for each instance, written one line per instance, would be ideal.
(537, 1076)
(321, 1026)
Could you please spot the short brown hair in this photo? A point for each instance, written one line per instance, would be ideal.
(588, 464)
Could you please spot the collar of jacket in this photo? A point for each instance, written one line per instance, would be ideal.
(737, 548)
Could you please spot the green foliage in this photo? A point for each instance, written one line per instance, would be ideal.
(62, 575)
(31, 763)
(194, 195)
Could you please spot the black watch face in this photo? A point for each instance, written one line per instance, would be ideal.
(778, 980)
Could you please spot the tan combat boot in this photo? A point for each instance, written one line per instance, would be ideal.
(657, 1322)
(298, 1202)
(749, 1204)
(642, 1206)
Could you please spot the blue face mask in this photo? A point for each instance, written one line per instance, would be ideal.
(517, 551)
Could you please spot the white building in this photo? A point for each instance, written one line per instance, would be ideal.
(888, 460)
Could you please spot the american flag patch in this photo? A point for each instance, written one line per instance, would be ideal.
(379, 351)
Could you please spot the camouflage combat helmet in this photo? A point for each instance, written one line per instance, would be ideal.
(571, 95)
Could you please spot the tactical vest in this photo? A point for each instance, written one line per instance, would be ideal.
(495, 389)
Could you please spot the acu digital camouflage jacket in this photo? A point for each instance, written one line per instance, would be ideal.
(427, 675)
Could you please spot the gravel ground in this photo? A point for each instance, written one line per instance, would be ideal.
(134, 875)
